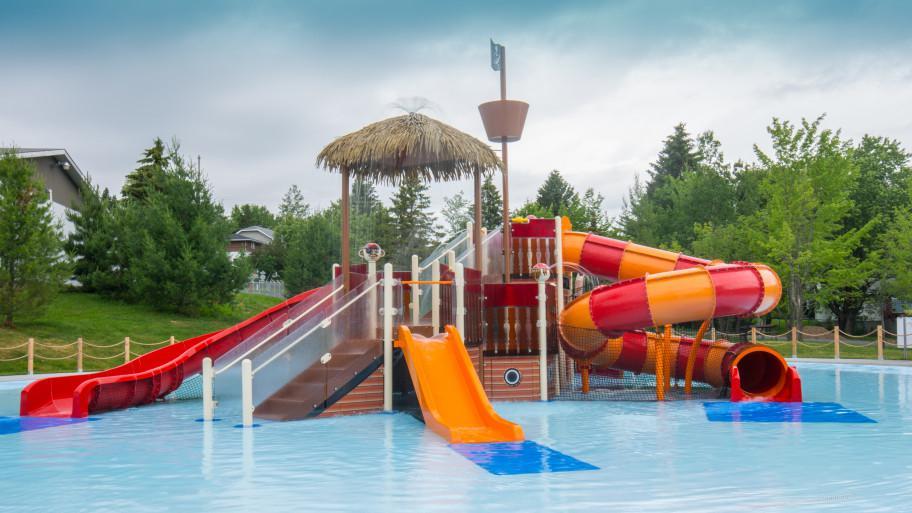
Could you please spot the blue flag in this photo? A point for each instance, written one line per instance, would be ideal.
(496, 56)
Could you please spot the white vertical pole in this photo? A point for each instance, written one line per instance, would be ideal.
(247, 393)
(542, 323)
(451, 260)
(372, 298)
(208, 404)
(416, 303)
(435, 296)
(484, 252)
(559, 297)
(388, 337)
(470, 232)
(333, 272)
(460, 300)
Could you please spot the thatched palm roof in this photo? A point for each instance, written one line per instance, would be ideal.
(405, 146)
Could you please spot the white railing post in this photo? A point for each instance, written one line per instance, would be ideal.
(484, 252)
(208, 404)
(247, 393)
(470, 234)
(435, 296)
(542, 323)
(388, 311)
(372, 301)
(126, 349)
(451, 260)
(559, 293)
(416, 290)
(460, 300)
(79, 354)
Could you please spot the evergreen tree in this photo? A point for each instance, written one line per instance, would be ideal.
(413, 229)
(246, 215)
(293, 205)
(148, 175)
(95, 245)
(32, 269)
(491, 204)
(556, 194)
(676, 157)
(457, 212)
(311, 246)
(364, 199)
(175, 244)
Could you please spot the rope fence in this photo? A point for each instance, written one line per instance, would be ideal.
(33, 351)
(818, 342)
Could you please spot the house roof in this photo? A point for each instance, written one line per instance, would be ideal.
(266, 237)
(60, 154)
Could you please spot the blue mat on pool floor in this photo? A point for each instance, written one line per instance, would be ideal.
(510, 458)
(783, 412)
(10, 425)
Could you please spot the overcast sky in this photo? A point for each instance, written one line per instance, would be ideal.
(257, 89)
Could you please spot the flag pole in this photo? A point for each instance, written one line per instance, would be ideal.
(507, 238)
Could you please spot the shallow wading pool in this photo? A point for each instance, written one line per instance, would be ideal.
(649, 457)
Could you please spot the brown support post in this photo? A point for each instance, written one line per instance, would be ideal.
(476, 225)
(507, 238)
(346, 233)
(126, 349)
(753, 334)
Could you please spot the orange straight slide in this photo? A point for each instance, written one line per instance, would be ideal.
(453, 402)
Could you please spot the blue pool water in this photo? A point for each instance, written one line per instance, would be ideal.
(650, 457)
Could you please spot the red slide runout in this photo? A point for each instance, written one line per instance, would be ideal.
(145, 379)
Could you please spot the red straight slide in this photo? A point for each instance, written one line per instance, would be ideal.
(145, 379)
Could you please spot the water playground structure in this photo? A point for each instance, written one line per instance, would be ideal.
(530, 311)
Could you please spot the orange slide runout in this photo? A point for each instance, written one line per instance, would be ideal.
(453, 402)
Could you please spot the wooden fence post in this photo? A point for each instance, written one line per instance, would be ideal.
(126, 349)
(794, 342)
(880, 342)
(171, 340)
(753, 334)
(836, 342)
(31, 356)
(79, 354)
(712, 334)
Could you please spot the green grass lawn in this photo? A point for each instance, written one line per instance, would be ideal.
(102, 321)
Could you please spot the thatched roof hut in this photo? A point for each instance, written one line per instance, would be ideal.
(406, 146)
